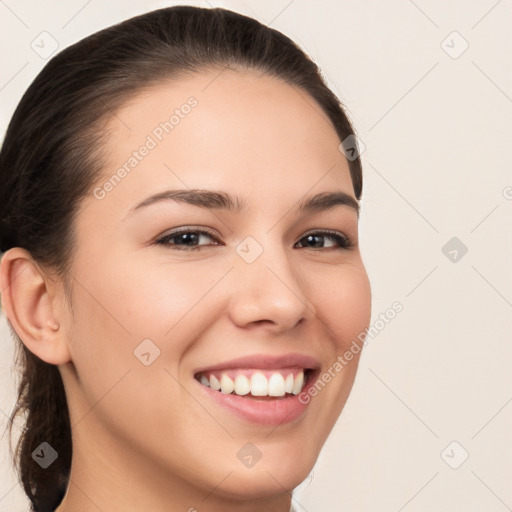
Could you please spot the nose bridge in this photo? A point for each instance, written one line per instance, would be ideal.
(267, 287)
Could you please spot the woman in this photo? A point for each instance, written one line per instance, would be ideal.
(181, 267)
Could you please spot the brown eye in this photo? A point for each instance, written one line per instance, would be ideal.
(317, 238)
(185, 239)
(188, 240)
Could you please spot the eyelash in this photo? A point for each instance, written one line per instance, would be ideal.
(343, 240)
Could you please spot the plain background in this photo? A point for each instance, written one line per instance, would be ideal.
(435, 117)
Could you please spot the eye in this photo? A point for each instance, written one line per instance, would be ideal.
(187, 239)
(318, 237)
(187, 236)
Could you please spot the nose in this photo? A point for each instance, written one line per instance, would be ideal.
(269, 291)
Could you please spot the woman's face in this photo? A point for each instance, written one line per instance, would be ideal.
(150, 318)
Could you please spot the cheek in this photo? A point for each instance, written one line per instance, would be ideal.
(171, 301)
(146, 297)
(343, 303)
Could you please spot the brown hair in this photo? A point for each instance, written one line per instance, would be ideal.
(51, 158)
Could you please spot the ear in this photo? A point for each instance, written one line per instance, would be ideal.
(31, 303)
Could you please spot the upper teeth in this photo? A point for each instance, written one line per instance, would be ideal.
(258, 384)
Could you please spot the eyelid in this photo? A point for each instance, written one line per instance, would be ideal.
(187, 229)
(325, 231)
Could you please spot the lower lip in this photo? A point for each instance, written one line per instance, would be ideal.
(277, 411)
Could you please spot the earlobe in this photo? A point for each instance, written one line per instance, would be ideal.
(28, 302)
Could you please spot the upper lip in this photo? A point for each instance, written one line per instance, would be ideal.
(265, 361)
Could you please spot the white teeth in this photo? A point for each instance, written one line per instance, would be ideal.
(288, 383)
(299, 382)
(276, 385)
(226, 384)
(257, 385)
(242, 385)
(214, 383)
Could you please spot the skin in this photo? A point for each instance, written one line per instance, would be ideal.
(143, 438)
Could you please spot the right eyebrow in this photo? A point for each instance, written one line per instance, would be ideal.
(211, 199)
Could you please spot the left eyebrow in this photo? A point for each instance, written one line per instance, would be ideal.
(219, 200)
(326, 201)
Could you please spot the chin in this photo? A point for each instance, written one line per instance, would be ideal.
(260, 484)
(273, 474)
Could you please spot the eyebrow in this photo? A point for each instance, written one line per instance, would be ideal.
(218, 200)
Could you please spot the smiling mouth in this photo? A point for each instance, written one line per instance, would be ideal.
(257, 383)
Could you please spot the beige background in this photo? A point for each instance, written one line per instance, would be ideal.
(437, 128)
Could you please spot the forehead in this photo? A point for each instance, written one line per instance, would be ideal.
(234, 130)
